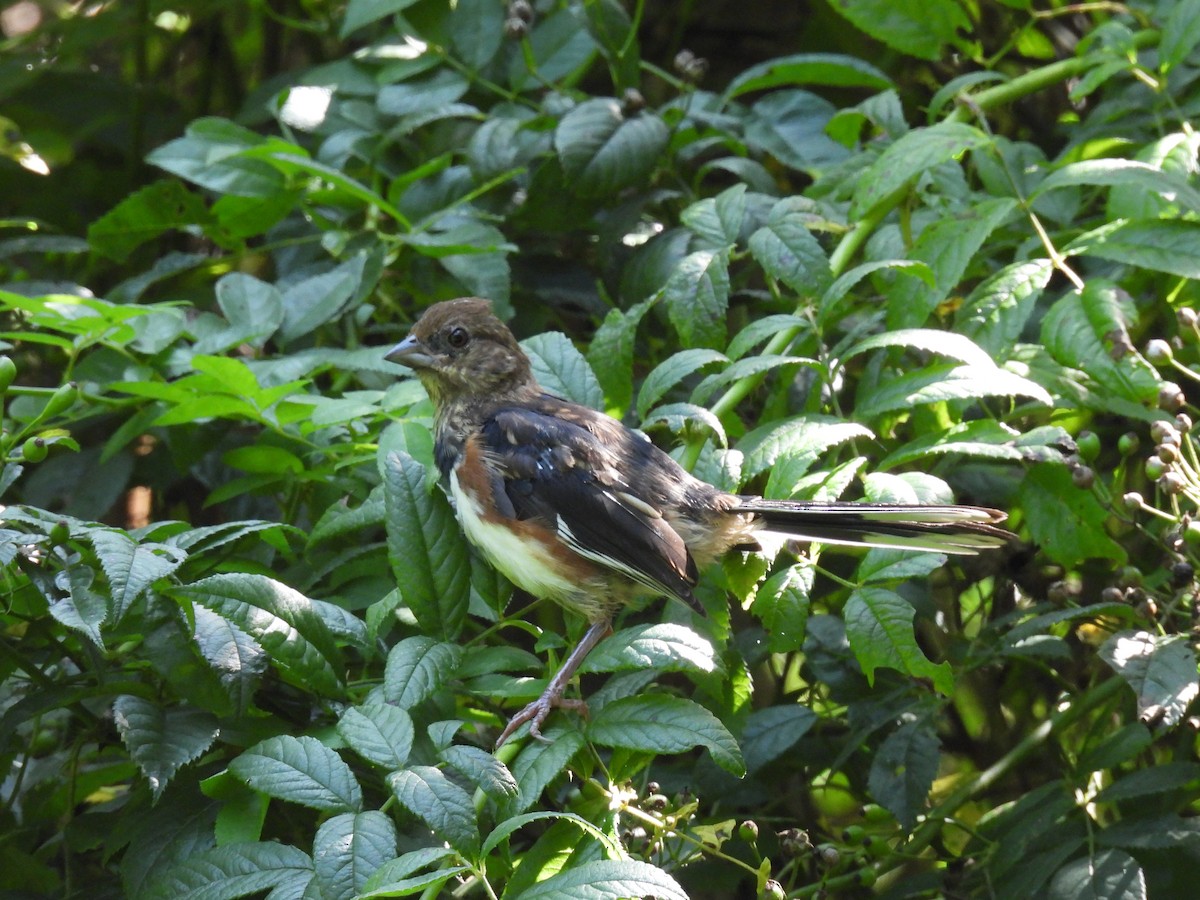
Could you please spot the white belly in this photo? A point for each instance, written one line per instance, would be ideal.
(524, 563)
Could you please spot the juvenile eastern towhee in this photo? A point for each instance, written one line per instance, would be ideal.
(571, 505)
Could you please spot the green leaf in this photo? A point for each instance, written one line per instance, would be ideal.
(283, 621)
(131, 567)
(428, 553)
(300, 770)
(209, 156)
(788, 252)
(562, 370)
(560, 45)
(603, 152)
(310, 303)
(896, 565)
(903, 770)
(483, 769)
(539, 763)
(1180, 34)
(670, 372)
(443, 87)
(378, 732)
(772, 731)
(1079, 331)
(1172, 155)
(161, 741)
(339, 519)
(832, 69)
(718, 220)
(1130, 173)
(940, 383)
(611, 353)
(791, 125)
(364, 12)
(1162, 831)
(1161, 669)
(802, 436)
(144, 215)
(663, 647)
(417, 668)
(253, 308)
(834, 294)
(1161, 245)
(914, 153)
(928, 340)
(237, 658)
(685, 418)
(439, 803)
(879, 625)
(761, 330)
(1166, 778)
(80, 608)
(1110, 874)
(264, 459)
(392, 879)
(948, 246)
(782, 605)
(348, 849)
(236, 870)
(697, 297)
(1066, 521)
(477, 31)
(657, 723)
(916, 29)
(996, 312)
(607, 879)
(483, 275)
(983, 438)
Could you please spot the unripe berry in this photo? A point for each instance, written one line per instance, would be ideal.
(1128, 443)
(8, 373)
(1159, 352)
(1170, 397)
(1087, 445)
(1172, 483)
(1112, 594)
(34, 450)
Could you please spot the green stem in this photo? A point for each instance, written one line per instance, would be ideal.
(1038, 79)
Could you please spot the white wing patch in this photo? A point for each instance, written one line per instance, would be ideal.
(565, 535)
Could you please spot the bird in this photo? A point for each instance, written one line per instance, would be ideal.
(572, 505)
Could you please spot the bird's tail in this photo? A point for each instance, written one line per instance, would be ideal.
(963, 530)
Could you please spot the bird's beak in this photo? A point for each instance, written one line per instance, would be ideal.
(410, 352)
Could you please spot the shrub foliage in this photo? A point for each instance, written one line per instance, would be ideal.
(244, 648)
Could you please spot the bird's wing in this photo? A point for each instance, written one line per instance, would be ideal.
(556, 471)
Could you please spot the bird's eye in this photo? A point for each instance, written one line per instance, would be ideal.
(458, 337)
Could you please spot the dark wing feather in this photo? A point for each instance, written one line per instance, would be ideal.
(557, 471)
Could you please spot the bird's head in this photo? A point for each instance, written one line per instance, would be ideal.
(459, 349)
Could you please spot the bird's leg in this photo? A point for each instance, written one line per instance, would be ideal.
(537, 711)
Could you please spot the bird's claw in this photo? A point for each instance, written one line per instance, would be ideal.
(536, 713)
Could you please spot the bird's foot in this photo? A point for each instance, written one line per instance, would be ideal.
(537, 711)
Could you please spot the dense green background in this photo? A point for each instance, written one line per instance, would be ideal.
(885, 250)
